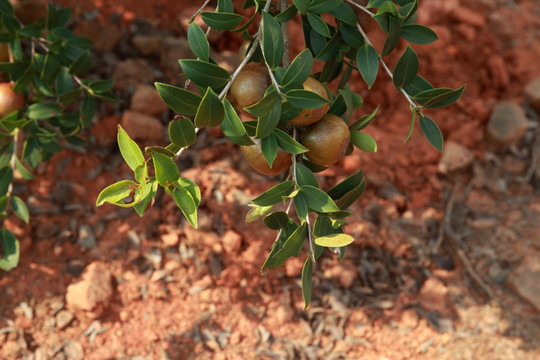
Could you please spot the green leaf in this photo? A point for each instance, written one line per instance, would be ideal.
(192, 188)
(221, 21)
(293, 244)
(5, 7)
(116, 192)
(63, 82)
(129, 149)
(304, 176)
(205, 74)
(183, 199)
(299, 70)
(265, 105)
(256, 212)
(301, 206)
(307, 273)
(225, 6)
(351, 182)
(302, 5)
(418, 34)
(67, 98)
(351, 196)
(88, 109)
(269, 148)
(436, 98)
(10, 250)
(146, 199)
(288, 144)
(272, 40)
(50, 66)
(82, 64)
(418, 85)
(411, 128)
(211, 111)
(39, 111)
(334, 240)
(364, 121)
(318, 24)
(101, 86)
(287, 14)
(267, 123)
(182, 132)
(232, 126)
(275, 194)
(166, 170)
(363, 141)
(305, 99)
(351, 35)
(367, 61)
(330, 52)
(324, 6)
(20, 209)
(317, 199)
(198, 42)
(406, 68)
(276, 220)
(392, 39)
(345, 14)
(22, 170)
(431, 132)
(179, 100)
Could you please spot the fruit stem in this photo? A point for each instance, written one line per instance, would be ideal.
(198, 12)
(385, 67)
(363, 8)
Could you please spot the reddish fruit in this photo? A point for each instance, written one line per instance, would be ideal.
(311, 116)
(250, 85)
(327, 140)
(9, 100)
(255, 158)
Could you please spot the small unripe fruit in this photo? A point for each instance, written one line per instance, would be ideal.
(311, 116)
(327, 140)
(250, 85)
(9, 100)
(255, 158)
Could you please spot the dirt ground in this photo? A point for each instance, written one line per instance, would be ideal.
(446, 264)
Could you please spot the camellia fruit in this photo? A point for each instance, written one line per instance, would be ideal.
(250, 85)
(9, 99)
(311, 116)
(327, 140)
(255, 158)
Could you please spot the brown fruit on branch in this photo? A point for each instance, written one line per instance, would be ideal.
(311, 116)
(327, 140)
(250, 85)
(254, 156)
(29, 11)
(4, 52)
(9, 100)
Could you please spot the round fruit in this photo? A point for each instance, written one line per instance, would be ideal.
(311, 116)
(327, 140)
(255, 158)
(250, 85)
(29, 11)
(9, 100)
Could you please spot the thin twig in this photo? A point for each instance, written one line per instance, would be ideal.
(198, 12)
(363, 8)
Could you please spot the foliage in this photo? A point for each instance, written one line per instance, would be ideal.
(46, 64)
(312, 215)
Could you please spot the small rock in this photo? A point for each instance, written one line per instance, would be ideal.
(433, 295)
(75, 267)
(464, 15)
(86, 237)
(63, 319)
(131, 72)
(92, 294)
(155, 256)
(524, 279)
(141, 126)
(146, 100)
(147, 44)
(104, 36)
(455, 157)
(170, 239)
(40, 354)
(46, 230)
(507, 123)
(73, 350)
(232, 242)
(499, 74)
(532, 93)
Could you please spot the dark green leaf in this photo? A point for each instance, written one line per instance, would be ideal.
(302, 5)
(307, 273)
(198, 42)
(40, 111)
(82, 64)
(129, 149)
(50, 66)
(305, 176)
(221, 21)
(287, 14)
(288, 144)
(267, 123)
(211, 111)
(363, 141)
(301, 206)
(63, 81)
(5, 7)
(436, 98)
(418, 34)
(69, 97)
(329, 52)
(418, 85)
(272, 40)
(411, 128)
(10, 250)
(6, 177)
(351, 196)
(20, 209)
(351, 35)
(305, 99)
(318, 24)
(317, 41)
(431, 132)
(299, 70)
(101, 86)
(345, 14)
(88, 109)
(269, 148)
(22, 170)
(346, 185)
(364, 121)
(406, 68)
(179, 100)
(232, 126)
(275, 194)
(265, 105)
(182, 132)
(324, 6)
(205, 74)
(392, 39)
(317, 199)
(225, 6)
(367, 61)
(183, 199)
(276, 220)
